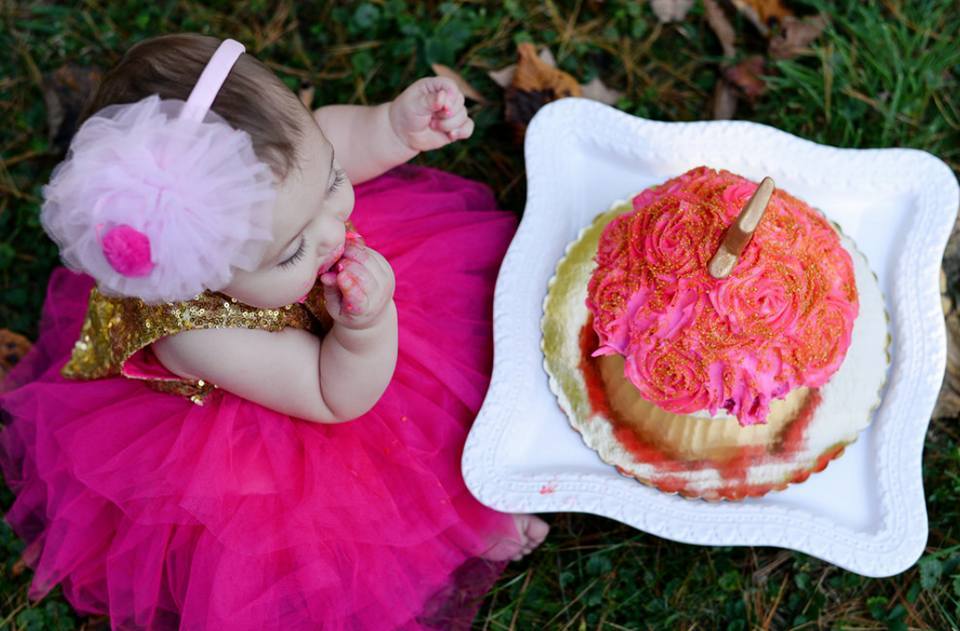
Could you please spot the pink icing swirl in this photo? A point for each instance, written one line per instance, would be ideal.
(782, 320)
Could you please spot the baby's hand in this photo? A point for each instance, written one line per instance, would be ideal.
(430, 114)
(359, 287)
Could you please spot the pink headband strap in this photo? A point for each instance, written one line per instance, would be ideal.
(211, 79)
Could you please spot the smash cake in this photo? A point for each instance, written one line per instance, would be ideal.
(714, 338)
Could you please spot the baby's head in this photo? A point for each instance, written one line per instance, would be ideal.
(293, 192)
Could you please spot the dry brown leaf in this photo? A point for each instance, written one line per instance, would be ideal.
(721, 26)
(504, 76)
(948, 403)
(65, 94)
(13, 347)
(533, 73)
(598, 91)
(671, 10)
(762, 12)
(535, 83)
(795, 36)
(945, 300)
(748, 77)
(724, 95)
(18, 567)
(468, 90)
(951, 259)
(546, 56)
(724, 100)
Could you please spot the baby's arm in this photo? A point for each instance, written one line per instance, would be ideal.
(369, 140)
(332, 380)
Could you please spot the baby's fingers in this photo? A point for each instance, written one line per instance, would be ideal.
(356, 252)
(455, 121)
(439, 94)
(454, 99)
(371, 260)
(331, 293)
(434, 102)
(356, 284)
(464, 131)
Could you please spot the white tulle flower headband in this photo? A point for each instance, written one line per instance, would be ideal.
(162, 199)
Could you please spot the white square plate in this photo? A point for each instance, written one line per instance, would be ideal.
(866, 512)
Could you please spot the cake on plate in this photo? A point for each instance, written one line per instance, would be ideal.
(709, 357)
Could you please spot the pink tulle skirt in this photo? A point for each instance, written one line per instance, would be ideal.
(164, 514)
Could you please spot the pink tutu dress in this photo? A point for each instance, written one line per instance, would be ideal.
(166, 514)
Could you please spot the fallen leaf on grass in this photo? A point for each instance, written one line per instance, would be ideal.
(18, 567)
(504, 76)
(721, 27)
(762, 12)
(951, 262)
(65, 94)
(948, 403)
(671, 10)
(535, 80)
(468, 90)
(795, 36)
(533, 73)
(748, 76)
(13, 347)
(724, 104)
(724, 100)
(535, 83)
(598, 91)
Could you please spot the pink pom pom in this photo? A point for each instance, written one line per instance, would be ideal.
(127, 250)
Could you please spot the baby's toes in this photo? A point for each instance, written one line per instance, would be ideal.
(535, 530)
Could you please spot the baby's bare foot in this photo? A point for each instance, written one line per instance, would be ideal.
(531, 531)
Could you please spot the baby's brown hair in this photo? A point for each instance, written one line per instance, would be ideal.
(252, 98)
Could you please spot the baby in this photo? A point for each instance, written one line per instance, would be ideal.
(228, 273)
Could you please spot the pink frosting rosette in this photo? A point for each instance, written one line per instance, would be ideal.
(157, 206)
(781, 320)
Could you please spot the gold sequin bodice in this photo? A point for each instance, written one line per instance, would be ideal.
(115, 329)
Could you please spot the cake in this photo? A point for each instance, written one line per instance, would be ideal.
(715, 387)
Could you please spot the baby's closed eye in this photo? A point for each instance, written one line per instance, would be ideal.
(297, 255)
(340, 176)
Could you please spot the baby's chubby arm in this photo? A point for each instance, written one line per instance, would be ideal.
(331, 380)
(369, 140)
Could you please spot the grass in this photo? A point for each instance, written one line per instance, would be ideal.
(883, 74)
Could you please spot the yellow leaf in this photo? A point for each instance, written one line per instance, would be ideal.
(762, 12)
